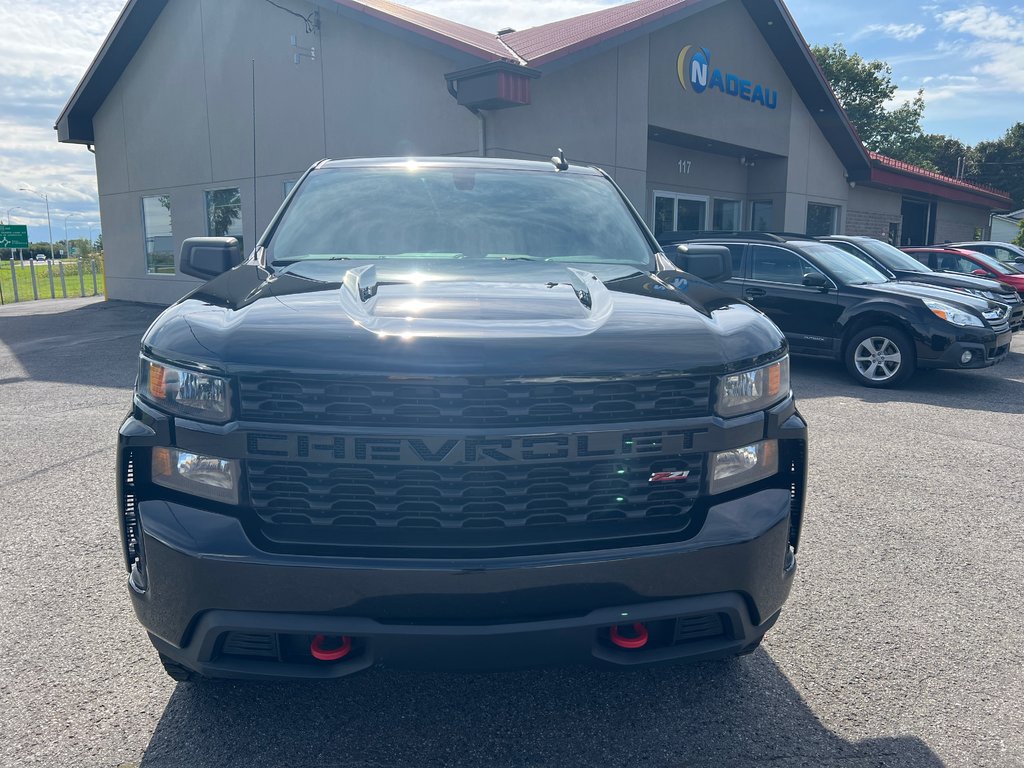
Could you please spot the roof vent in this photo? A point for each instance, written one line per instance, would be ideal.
(505, 31)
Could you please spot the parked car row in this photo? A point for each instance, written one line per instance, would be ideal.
(880, 311)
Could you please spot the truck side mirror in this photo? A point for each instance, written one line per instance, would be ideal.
(208, 257)
(708, 262)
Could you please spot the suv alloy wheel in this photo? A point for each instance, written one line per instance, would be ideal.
(880, 356)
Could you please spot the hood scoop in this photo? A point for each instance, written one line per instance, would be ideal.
(577, 305)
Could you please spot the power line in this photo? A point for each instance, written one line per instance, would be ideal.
(312, 21)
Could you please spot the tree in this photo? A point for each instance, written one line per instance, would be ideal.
(1019, 239)
(938, 153)
(864, 88)
(1000, 163)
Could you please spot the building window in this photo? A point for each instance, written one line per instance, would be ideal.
(676, 212)
(821, 219)
(725, 216)
(224, 214)
(761, 214)
(156, 226)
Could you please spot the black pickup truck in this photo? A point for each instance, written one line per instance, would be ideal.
(457, 413)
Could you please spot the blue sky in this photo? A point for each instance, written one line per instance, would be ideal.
(968, 57)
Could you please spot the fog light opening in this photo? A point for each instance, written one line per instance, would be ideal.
(636, 639)
(320, 650)
(966, 357)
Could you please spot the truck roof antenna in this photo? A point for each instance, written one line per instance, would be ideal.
(559, 161)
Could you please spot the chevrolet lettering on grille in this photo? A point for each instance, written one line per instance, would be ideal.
(468, 450)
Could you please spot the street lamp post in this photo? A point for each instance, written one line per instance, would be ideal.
(49, 228)
(67, 243)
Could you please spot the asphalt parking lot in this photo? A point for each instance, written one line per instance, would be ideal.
(899, 646)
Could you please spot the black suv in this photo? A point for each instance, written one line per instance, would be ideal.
(897, 265)
(457, 413)
(831, 304)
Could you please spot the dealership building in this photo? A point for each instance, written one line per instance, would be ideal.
(710, 114)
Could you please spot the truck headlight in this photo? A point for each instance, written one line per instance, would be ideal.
(742, 466)
(192, 473)
(185, 392)
(740, 393)
(954, 315)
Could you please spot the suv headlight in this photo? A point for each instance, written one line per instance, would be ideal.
(952, 314)
(740, 393)
(185, 392)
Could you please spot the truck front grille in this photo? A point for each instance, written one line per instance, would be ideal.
(452, 402)
(472, 505)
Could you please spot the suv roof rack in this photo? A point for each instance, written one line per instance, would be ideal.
(703, 234)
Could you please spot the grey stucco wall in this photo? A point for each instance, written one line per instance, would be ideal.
(735, 45)
(180, 119)
(793, 163)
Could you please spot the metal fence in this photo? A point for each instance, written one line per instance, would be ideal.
(28, 280)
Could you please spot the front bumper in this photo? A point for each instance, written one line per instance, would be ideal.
(987, 348)
(211, 597)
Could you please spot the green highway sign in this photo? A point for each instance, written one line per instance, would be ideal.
(13, 236)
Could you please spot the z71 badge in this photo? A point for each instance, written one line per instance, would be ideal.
(669, 477)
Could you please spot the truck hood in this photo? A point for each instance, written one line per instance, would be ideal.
(462, 318)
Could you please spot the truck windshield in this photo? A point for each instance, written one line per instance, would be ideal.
(412, 211)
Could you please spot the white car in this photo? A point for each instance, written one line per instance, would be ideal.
(1005, 252)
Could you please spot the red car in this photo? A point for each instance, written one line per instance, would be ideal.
(966, 262)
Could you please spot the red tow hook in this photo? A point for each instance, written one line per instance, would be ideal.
(330, 654)
(639, 641)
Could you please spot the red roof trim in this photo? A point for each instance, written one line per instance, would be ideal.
(459, 36)
(902, 175)
(540, 45)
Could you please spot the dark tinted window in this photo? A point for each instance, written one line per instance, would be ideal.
(778, 265)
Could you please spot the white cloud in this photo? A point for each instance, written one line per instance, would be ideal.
(984, 23)
(995, 41)
(896, 31)
(44, 51)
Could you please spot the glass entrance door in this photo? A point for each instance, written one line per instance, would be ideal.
(675, 212)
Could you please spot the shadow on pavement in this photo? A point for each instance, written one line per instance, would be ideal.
(999, 389)
(741, 713)
(80, 342)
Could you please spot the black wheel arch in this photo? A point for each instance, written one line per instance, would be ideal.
(855, 323)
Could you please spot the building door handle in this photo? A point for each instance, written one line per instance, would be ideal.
(753, 293)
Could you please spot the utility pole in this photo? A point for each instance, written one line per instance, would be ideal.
(49, 227)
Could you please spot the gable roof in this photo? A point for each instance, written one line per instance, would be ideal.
(540, 45)
(470, 40)
(553, 45)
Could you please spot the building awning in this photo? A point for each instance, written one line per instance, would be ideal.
(905, 177)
